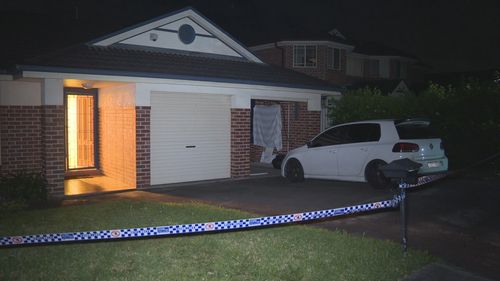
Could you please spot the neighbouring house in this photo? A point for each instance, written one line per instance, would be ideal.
(165, 101)
(337, 59)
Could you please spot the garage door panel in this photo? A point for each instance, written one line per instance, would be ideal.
(180, 120)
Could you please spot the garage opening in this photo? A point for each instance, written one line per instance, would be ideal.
(190, 137)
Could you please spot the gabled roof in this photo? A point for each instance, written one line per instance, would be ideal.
(376, 49)
(182, 30)
(119, 61)
(157, 49)
(301, 35)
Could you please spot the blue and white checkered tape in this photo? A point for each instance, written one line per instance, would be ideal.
(191, 228)
(207, 226)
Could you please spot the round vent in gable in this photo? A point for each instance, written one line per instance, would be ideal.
(186, 34)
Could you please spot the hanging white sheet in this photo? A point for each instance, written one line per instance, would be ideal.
(267, 126)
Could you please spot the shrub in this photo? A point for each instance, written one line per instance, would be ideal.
(22, 189)
(465, 115)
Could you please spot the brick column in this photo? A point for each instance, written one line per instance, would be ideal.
(305, 127)
(143, 146)
(240, 142)
(53, 151)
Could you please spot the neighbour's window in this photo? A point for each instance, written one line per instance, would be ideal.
(304, 56)
(333, 59)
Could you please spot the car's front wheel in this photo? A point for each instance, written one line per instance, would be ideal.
(294, 171)
(374, 175)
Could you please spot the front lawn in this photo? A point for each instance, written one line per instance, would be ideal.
(280, 253)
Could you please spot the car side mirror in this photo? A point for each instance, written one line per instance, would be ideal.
(310, 144)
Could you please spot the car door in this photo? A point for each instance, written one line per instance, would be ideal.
(352, 155)
(321, 157)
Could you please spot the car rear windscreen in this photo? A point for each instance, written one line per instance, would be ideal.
(415, 131)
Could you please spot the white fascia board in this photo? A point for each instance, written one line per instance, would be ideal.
(221, 87)
(240, 97)
(322, 42)
(193, 16)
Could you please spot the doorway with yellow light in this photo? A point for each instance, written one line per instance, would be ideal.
(83, 174)
(81, 134)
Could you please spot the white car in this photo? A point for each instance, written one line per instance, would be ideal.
(355, 151)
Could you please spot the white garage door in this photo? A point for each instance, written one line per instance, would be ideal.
(190, 137)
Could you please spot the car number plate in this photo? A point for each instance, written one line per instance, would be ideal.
(434, 164)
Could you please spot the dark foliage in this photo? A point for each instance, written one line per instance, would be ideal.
(22, 189)
(466, 115)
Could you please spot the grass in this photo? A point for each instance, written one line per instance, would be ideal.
(281, 253)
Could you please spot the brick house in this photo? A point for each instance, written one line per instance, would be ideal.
(165, 101)
(335, 58)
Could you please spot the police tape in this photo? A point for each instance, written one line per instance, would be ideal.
(197, 228)
(424, 180)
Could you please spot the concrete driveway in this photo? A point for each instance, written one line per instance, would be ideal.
(456, 219)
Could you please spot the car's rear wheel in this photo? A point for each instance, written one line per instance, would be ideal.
(374, 175)
(294, 171)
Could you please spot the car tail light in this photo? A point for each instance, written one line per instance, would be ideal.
(405, 147)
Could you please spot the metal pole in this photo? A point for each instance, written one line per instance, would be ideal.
(402, 207)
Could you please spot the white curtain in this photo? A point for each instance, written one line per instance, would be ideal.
(267, 126)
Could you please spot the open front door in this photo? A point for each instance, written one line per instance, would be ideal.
(80, 129)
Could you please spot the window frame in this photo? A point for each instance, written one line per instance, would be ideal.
(303, 47)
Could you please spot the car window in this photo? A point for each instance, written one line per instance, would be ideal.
(364, 132)
(415, 131)
(348, 134)
(337, 135)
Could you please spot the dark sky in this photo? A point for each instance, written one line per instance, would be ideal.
(449, 35)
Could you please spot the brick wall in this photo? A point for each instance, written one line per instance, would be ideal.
(21, 143)
(240, 142)
(298, 126)
(319, 71)
(33, 141)
(53, 148)
(143, 146)
(273, 56)
(117, 142)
